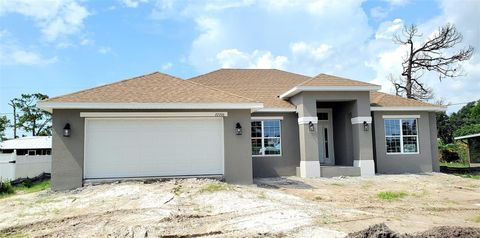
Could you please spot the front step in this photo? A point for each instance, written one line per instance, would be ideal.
(336, 171)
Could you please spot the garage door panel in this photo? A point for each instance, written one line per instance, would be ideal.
(153, 147)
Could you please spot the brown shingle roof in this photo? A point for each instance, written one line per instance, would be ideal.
(152, 88)
(378, 99)
(330, 80)
(264, 85)
(222, 86)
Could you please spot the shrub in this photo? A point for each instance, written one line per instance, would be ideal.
(6, 187)
(27, 183)
(455, 152)
(450, 156)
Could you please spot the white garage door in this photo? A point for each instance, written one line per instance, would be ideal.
(132, 147)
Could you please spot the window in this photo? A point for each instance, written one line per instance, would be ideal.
(401, 136)
(266, 138)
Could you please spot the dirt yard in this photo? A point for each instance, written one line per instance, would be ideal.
(281, 207)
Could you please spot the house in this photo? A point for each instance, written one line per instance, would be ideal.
(238, 124)
(473, 142)
(25, 157)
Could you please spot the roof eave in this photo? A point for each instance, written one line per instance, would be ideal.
(297, 89)
(49, 106)
(409, 108)
(467, 136)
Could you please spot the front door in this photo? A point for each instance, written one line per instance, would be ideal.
(325, 136)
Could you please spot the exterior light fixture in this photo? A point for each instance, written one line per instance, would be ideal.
(67, 130)
(311, 126)
(238, 129)
(365, 126)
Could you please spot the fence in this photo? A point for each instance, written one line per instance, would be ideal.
(14, 166)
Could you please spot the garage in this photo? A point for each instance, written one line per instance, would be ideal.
(153, 146)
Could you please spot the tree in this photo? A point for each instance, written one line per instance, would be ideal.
(31, 118)
(465, 121)
(4, 123)
(431, 55)
(13, 103)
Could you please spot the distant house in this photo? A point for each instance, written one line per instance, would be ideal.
(473, 141)
(25, 157)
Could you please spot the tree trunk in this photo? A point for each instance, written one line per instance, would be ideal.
(33, 127)
(14, 121)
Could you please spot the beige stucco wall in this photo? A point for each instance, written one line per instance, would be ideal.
(68, 152)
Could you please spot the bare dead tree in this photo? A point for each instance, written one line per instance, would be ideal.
(431, 55)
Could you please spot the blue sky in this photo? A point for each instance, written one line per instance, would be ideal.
(60, 46)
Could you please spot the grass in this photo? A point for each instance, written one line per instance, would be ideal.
(213, 187)
(455, 165)
(476, 218)
(27, 187)
(391, 195)
(470, 176)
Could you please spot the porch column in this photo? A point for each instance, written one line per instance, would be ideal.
(309, 161)
(362, 141)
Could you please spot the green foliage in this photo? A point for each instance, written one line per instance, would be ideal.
(34, 187)
(467, 130)
(6, 188)
(391, 196)
(31, 118)
(27, 183)
(454, 152)
(465, 121)
(4, 123)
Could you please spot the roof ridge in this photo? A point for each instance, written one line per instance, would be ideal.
(198, 76)
(340, 77)
(216, 89)
(109, 84)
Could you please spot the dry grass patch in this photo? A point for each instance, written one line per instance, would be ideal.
(214, 187)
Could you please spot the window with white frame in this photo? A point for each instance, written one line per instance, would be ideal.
(266, 138)
(401, 136)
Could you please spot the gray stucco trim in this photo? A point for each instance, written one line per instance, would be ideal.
(406, 163)
(286, 164)
(68, 152)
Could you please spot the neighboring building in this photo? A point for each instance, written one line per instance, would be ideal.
(239, 124)
(25, 157)
(473, 142)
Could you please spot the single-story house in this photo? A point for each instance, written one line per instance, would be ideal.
(238, 124)
(473, 141)
(25, 157)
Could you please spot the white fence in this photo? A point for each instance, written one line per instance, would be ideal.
(14, 166)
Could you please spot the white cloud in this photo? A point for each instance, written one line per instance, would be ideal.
(303, 50)
(21, 57)
(234, 58)
(397, 2)
(104, 50)
(56, 19)
(387, 29)
(167, 66)
(12, 54)
(132, 3)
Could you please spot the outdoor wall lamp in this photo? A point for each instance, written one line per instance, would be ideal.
(66, 130)
(311, 126)
(238, 129)
(365, 126)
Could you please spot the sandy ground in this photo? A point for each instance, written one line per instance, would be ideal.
(277, 207)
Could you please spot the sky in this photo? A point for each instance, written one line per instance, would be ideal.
(60, 46)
